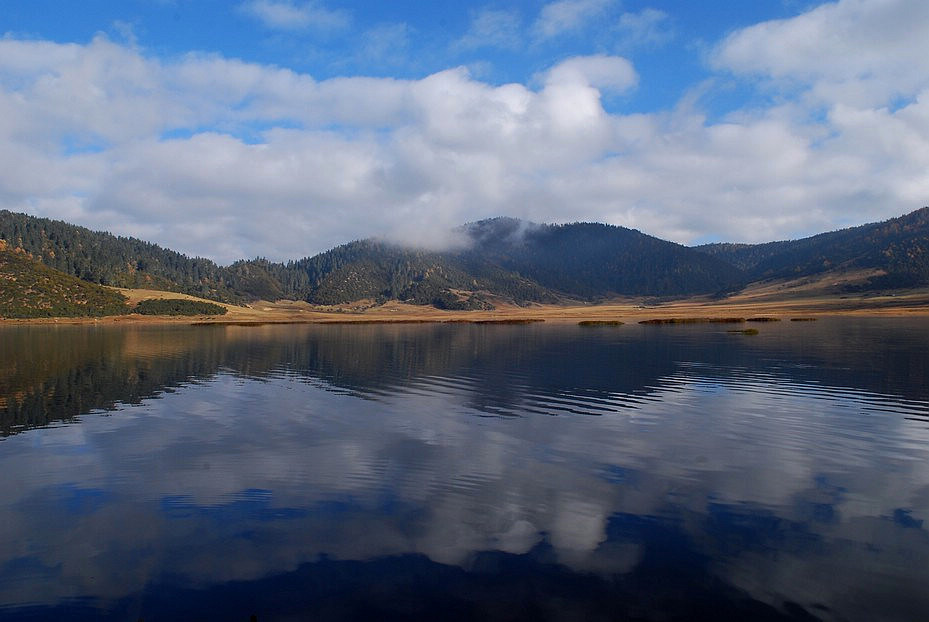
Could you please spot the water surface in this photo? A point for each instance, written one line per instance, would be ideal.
(465, 472)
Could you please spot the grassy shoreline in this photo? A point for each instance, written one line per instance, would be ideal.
(628, 311)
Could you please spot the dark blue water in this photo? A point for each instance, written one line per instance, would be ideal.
(463, 472)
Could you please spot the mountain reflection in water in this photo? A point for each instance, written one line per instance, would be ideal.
(453, 471)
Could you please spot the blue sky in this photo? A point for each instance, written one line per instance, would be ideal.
(284, 127)
(500, 43)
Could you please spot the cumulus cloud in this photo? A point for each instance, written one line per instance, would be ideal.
(856, 51)
(286, 15)
(229, 159)
(602, 72)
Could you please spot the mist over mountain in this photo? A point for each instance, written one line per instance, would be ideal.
(592, 260)
(500, 259)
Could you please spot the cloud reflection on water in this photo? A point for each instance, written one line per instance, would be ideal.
(786, 489)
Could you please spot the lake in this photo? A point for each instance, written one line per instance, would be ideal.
(464, 472)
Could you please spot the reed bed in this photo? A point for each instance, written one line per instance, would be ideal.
(695, 320)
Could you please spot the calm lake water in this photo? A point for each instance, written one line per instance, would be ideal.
(459, 472)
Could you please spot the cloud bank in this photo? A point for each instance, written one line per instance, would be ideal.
(228, 159)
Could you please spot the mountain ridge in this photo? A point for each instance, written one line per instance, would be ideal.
(899, 246)
(502, 259)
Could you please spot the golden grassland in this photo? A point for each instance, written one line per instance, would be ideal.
(776, 300)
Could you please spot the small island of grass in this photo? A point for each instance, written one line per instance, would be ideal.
(695, 320)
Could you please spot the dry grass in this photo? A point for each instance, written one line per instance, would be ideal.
(763, 302)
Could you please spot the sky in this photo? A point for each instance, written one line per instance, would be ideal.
(282, 128)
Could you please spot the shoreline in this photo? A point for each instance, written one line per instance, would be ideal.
(626, 311)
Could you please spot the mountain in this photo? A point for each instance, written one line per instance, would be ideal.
(898, 248)
(502, 258)
(381, 271)
(497, 259)
(591, 260)
(29, 288)
(106, 259)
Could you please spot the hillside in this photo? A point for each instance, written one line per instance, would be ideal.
(30, 289)
(501, 260)
(899, 248)
(592, 260)
(106, 259)
(504, 258)
(384, 271)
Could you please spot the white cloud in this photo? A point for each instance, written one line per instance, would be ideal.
(648, 27)
(230, 159)
(492, 28)
(566, 16)
(860, 52)
(385, 44)
(603, 72)
(287, 15)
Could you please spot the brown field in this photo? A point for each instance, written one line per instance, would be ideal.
(780, 300)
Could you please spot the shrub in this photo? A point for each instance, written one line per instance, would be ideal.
(178, 306)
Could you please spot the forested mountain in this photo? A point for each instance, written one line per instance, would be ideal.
(106, 259)
(591, 260)
(380, 270)
(521, 261)
(29, 288)
(500, 258)
(899, 247)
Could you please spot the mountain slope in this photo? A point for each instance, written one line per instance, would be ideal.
(500, 258)
(106, 259)
(29, 288)
(379, 270)
(899, 247)
(515, 260)
(590, 260)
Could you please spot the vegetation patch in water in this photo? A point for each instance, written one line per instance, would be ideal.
(763, 319)
(379, 321)
(695, 320)
(803, 319)
(600, 323)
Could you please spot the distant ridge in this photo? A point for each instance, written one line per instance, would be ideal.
(898, 247)
(593, 260)
(502, 259)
